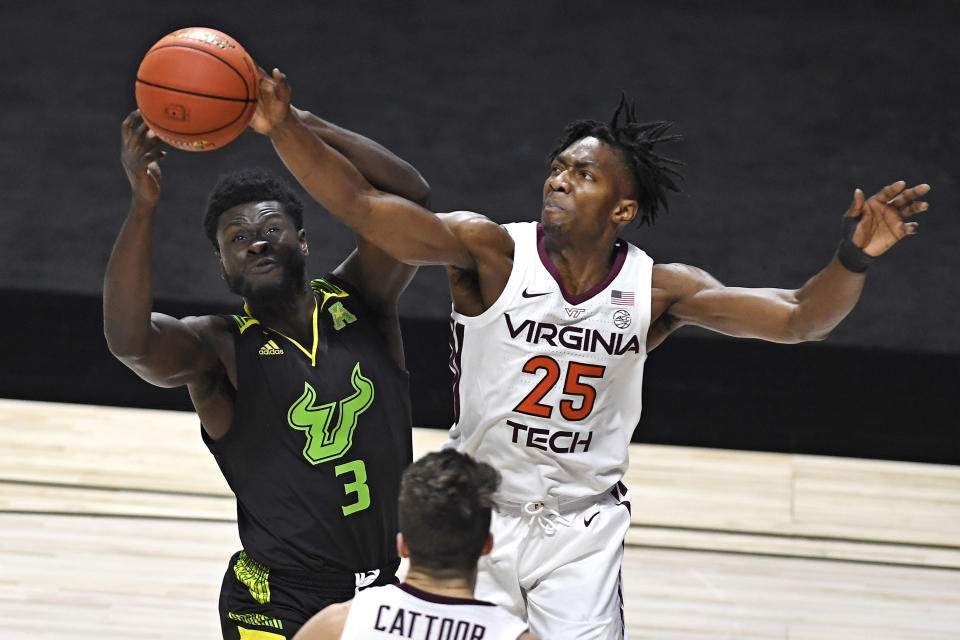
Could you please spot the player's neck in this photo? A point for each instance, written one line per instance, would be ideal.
(452, 585)
(580, 267)
(293, 316)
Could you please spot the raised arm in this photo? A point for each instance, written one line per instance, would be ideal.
(690, 296)
(381, 277)
(382, 168)
(162, 350)
(409, 232)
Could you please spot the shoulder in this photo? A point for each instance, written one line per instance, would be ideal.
(196, 332)
(475, 229)
(334, 285)
(673, 285)
(676, 281)
(208, 325)
(326, 625)
(215, 331)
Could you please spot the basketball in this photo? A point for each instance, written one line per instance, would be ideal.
(196, 88)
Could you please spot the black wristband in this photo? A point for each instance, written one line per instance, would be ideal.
(850, 255)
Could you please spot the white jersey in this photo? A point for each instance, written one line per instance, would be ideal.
(399, 610)
(547, 385)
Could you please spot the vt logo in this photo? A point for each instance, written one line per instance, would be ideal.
(341, 317)
(574, 312)
(325, 441)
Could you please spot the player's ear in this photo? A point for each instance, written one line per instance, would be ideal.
(302, 238)
(625, 211)
(223, 270)
(487, 545)
(402, 549)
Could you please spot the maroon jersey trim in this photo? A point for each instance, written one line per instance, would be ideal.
(619, 257)
(432, 597)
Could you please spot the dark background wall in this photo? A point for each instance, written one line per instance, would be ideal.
(786, 107)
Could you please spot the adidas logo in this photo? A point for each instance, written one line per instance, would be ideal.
(271, 349)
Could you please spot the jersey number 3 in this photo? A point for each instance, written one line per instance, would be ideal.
(328, 440)
(358, 486)
(573, 385)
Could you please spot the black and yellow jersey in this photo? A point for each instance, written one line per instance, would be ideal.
(319, 439)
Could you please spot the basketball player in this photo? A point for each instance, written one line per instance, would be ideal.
(552, 323)
(445, 504)
(303, 397)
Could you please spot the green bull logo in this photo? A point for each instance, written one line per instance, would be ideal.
(326, 442)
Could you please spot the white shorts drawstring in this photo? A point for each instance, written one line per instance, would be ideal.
(545, 516)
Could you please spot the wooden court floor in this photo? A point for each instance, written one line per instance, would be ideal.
(115, 523)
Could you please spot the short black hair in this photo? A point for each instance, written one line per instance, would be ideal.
(653, 174)
(249, 185)
(445, 502)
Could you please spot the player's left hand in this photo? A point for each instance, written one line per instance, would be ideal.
(884, 216)
(273, 102)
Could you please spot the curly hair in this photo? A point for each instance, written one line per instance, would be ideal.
(653, 175)
(249, 185)
(445, 502)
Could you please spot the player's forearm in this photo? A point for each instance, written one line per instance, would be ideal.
(326, 174)
(825, 300)
(404, 229)
(127, 292)
(380, 166)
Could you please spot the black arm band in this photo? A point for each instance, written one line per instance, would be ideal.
(850, 255)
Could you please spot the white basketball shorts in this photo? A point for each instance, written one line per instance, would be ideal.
(560, 572)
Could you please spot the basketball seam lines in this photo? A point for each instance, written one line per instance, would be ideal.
(215, 57)
(196, 93)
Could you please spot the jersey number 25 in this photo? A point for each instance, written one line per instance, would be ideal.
(573, 385)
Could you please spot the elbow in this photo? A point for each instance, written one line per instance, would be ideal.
(807, 334)
(801, 329)
(123, 352)
(122, 348)
(115, 346)
(420, 193)
(819, 336)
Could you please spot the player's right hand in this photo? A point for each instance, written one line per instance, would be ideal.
(140, 156)
(273, 101)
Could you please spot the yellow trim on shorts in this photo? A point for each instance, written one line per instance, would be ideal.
(254, 576)
(256, 634)
(256, 618)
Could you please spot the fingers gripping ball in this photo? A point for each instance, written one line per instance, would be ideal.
(197, 89)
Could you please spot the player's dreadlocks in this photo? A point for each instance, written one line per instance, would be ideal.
(653, 174)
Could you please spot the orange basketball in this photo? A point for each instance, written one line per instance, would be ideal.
(197, 89)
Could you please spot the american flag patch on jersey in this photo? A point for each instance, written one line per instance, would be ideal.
(621, 297)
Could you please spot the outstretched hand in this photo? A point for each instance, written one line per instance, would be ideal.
(883, 222)
(140, 157)
(273, 102)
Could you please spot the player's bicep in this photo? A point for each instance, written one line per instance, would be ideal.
(410, 233)
(763, 313)
(176, 352)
